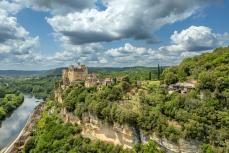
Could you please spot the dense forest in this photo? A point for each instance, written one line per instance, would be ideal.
(12, 90)
(39, 86)
(10, 99)
(202, 114)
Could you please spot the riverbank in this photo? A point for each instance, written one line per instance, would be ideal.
(8, 104)
(24, 135)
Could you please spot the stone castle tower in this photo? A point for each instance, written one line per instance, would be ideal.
(74, 73)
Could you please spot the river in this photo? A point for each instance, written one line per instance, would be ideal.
(13, 125)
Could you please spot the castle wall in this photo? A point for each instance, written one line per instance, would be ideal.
(72, 74)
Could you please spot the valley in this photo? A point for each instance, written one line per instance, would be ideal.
(179, 109)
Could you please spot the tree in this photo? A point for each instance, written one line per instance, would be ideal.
(170, 78)
(150, 75)
(2, 113)
(30, 144)
(207, 80)
(158, 72)
(206, 148)
(149, 147)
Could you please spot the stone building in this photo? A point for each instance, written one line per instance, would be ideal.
(108, 81)
(182, 87)
(74, 73)
(92, 80)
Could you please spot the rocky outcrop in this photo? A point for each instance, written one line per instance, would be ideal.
(182, 146)
(96, 129)
(124, 135)
(58, 95)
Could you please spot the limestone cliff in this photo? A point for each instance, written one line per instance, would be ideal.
(124, 135)
(94, 128)
(182, 146)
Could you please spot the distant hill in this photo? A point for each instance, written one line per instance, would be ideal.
(58, 71)
(13, 73)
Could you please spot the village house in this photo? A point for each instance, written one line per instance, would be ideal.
(92, 80)
(182, 87)
(119, 79)
(108, 81)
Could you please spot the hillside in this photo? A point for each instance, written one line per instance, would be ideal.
(14, 73)
(203, 112)
(213, 65)
(172, 112)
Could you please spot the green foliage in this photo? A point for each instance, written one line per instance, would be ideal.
(203, 112)
(170, 76)
(40, 87)
(102, 103)
(150, 147)
(30, 144)
(2, 113)
(206, 148)
(9, 100)
(134, 73)
(207, 80)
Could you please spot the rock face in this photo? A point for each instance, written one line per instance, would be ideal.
(58, 95)
(94, 128)
(182, 146)
(125, 135)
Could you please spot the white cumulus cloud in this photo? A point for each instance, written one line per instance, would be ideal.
(122, 19)
(194, 39)
(16, 46)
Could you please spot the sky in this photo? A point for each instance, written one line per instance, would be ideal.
(46, 34)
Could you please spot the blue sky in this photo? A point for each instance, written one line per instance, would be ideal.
(49, 34)
(35, 23)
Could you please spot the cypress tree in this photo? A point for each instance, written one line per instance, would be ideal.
(150, 75)
(158, 72)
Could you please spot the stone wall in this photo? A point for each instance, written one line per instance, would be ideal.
(72, 74)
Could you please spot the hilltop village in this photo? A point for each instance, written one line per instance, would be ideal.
(78, 73)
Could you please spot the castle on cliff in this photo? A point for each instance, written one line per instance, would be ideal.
(79, 73)
(74, 73)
